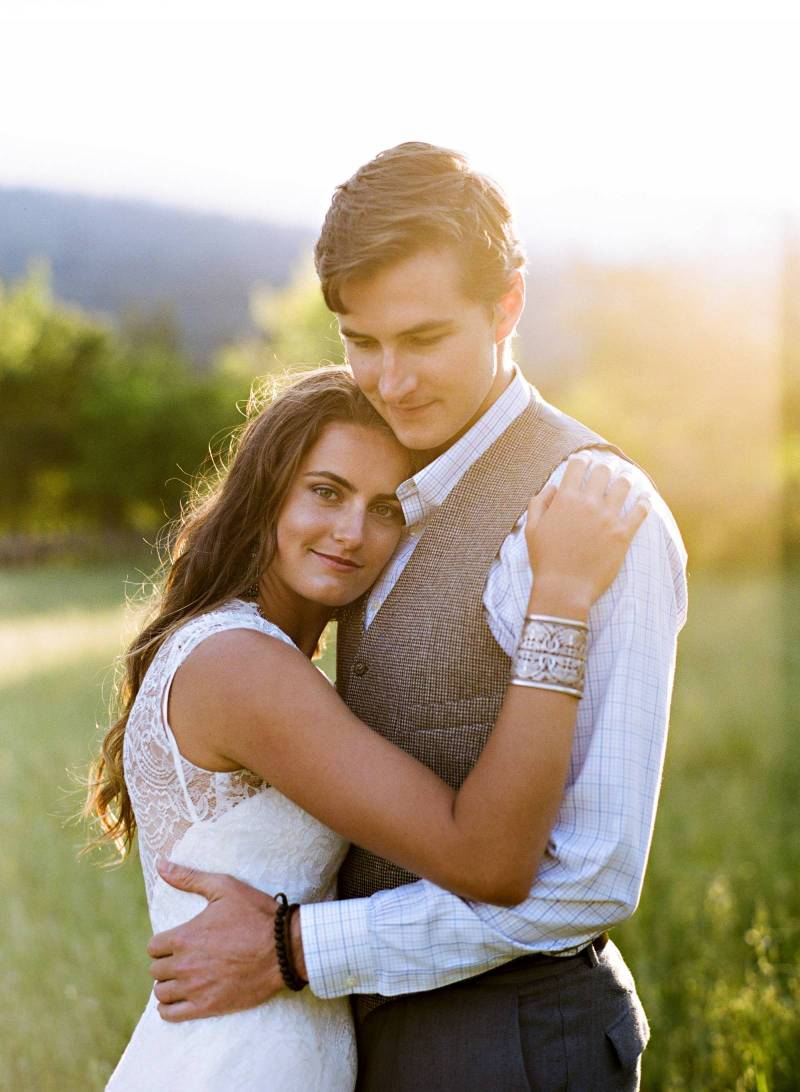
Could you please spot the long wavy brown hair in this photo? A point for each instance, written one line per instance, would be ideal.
(225, 537)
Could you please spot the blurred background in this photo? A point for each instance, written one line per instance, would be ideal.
(164, 170)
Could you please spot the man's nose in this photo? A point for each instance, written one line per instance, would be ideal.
(397, 380)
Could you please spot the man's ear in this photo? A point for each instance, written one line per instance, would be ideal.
(509, 308)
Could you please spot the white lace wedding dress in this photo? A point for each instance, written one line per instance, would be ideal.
(232, 823)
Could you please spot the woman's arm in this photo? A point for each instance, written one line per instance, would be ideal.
(262, 705)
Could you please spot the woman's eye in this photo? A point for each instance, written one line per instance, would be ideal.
(325, 491)
(387, 511)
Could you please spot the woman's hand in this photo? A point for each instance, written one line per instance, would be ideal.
(577, 536)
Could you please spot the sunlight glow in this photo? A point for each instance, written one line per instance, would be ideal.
(616, 131)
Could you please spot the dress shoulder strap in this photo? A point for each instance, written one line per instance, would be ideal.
(236, 614)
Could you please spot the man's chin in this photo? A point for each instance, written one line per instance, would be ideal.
(422, 441)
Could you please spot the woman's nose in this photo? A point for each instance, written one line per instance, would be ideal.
(349, 529)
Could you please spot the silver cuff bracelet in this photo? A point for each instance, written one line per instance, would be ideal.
(551, 654)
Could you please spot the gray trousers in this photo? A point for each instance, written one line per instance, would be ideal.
(575, 1025)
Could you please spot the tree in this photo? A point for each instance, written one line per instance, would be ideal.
(48, 356)
(295, 327)
(98, 431)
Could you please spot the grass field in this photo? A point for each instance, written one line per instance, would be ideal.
(715, 944)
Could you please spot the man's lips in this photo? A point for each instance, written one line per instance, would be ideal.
(400, 409)
(340, 563)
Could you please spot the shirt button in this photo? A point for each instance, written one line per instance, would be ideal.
(350, 982)
(359, 668)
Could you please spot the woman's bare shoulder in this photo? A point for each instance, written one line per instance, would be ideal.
(225, 657)
(234, 683)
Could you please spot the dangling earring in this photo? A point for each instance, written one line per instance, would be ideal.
(254, 589)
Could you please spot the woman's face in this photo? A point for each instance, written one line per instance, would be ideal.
(341, 520)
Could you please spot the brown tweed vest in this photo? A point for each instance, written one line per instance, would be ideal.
(428, 674)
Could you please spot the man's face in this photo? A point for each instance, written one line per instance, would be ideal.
(425, 356)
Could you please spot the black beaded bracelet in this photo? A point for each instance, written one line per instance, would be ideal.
(283, 943)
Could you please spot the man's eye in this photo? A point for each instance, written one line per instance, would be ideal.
(424, 342)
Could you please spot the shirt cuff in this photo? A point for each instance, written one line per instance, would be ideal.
(336, 947)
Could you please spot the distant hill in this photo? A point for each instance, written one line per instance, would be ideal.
(115, 256)
(122, 256)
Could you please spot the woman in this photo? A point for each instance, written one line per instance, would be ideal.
(233, 754)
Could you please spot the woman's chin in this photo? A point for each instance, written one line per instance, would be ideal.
(337, 594)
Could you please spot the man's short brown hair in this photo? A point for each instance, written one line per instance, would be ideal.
(418, 197)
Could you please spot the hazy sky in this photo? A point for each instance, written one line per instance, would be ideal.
(621, 134)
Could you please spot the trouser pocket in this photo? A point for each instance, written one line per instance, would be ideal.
(629, 1035)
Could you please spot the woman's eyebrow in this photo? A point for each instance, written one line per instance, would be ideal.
(333, 477)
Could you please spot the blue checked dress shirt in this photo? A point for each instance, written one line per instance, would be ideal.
(419, 937)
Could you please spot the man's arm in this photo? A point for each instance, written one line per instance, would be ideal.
(419, 937)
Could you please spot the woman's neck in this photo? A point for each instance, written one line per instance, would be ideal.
(300, 619)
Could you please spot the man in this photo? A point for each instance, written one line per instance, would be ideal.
(419, 261)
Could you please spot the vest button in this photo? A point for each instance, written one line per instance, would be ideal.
(359, 668)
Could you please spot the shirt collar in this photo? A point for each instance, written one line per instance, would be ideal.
(429, 487)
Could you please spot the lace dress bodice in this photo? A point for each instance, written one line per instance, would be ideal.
(167, 791)
(237, 824)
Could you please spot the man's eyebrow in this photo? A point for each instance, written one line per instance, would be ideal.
(420, 328)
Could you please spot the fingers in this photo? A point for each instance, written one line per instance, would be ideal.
(545, 496)
(637, 515)
(618, 490)
(597, 480)
(615, 498)
(169, 993)
(190, 879)
(539, 503)
(598, 483)
(163, 970)
(162, 944)
(179, 1011)
(576, 469)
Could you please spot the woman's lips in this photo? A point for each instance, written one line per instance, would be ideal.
(341, 564)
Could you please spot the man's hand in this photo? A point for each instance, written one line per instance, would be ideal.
(224, 959)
